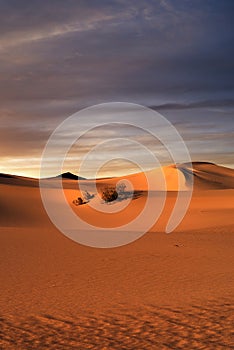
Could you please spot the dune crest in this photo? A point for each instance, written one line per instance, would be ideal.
(208, 175)
(203, 175)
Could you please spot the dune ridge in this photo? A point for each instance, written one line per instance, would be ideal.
(208, 175)
(204, 176)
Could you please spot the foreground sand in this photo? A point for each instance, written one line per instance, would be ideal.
(161, 292)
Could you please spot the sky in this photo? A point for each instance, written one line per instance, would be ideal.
(58, 57)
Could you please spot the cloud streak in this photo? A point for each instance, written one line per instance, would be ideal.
(57, 57)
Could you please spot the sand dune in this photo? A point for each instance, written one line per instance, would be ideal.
(7, 179)
(22, 205)
(208, 176)
(161, 292)
(204, 176)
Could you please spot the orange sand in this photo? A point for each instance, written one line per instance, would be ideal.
(161, 292)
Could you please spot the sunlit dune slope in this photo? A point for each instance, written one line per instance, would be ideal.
(21, 204)
(202, 175)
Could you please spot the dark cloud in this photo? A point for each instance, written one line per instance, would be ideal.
(57, 57)
(198, 104)
(106, 50)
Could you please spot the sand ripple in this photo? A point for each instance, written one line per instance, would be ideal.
(196, 327)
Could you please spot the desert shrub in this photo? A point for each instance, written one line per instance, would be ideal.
(78, 201)
(109, 194)
(87, 196)
(121, 188)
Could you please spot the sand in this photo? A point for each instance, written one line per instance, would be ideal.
(163, 291)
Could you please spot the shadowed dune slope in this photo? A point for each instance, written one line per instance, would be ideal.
(208, 175)
(7, 179)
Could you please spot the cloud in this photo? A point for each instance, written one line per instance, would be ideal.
(58, 57)
(198, 104)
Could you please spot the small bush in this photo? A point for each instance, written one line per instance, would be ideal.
(87, 196)
(78, 201)
(121, 188)
(109, 194)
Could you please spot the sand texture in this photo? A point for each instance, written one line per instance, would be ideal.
(163, 291)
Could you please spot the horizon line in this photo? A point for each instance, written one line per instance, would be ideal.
(110, 177)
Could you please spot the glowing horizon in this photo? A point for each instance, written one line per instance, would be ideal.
(57, 59)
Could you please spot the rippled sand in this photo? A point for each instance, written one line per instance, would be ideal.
(161, 292)
(206, 326)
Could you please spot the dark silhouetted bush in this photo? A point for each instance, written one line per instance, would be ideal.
(78, 201)
(109, 194)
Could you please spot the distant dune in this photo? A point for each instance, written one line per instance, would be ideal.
(21, 203)
(68, 176)
(208, 175)
(7, 179)
(204, 175)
